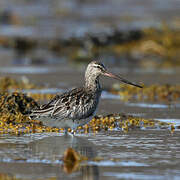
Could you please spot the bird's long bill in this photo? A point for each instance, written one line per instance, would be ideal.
(121, 79)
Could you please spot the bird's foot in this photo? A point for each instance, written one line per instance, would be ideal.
(73, 132)
(69, 132)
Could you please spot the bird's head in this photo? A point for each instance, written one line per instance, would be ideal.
(95, 69)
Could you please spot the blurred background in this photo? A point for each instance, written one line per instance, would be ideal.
(45, 46)
(51, 42)
(127, 33)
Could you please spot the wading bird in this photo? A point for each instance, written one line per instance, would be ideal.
(77, 106)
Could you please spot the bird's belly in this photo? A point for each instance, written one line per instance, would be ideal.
(75, 119)
(64, 123)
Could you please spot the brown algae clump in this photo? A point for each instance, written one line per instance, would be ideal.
(149, 48)
(41, 97)
(156, 48)
(13, 118)
(122, 122)
(7, 83)
(164, 44)
(165, 93)
(16, 103)
(13, 108)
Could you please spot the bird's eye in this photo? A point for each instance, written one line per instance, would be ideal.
(99, 67)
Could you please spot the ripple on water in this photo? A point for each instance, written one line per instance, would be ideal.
(133, 175)
(11, 30)
(146, 105)
(32, 160)
(123, 163)
(176, 122)
(43, 91)
(26, 70)
(107, 95)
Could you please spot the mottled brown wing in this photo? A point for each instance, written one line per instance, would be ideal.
(59, 105)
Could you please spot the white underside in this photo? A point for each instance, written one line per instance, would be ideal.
(63, 123)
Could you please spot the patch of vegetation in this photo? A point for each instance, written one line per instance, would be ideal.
(15, 107)
(7, 83)
(152, 93)
(150, 48)
(124, 123)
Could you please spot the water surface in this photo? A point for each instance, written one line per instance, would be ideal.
(149, 153)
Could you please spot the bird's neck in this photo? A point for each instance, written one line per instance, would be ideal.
(92, 83)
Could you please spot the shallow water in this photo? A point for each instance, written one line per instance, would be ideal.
(138, 154)
(149, 153)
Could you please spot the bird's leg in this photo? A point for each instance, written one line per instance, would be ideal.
(72, 132)
(66, 133)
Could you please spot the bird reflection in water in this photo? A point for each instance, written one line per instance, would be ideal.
(82, 150)
(74, 150)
